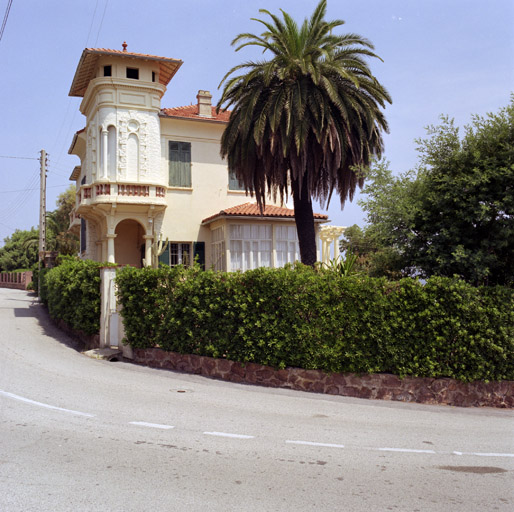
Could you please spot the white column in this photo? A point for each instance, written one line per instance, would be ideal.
(105, 156)
(148, 250)
(110, 248)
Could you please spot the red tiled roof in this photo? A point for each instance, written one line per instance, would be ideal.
(191, 112)
(128, 54)
(88, 62)
(252, 210)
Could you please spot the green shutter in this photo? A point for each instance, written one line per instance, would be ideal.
(199, 253)
(164, 258)
(180, 164)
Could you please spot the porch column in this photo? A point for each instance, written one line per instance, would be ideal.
(110, 248)
(148, 250)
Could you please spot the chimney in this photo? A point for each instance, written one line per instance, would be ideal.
(204, 103)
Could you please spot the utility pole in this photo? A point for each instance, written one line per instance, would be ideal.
(42, 217)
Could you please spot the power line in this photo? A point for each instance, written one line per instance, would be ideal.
(30, 189)
(19, 157)
(6, 15)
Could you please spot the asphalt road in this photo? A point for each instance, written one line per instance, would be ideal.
(78, 434)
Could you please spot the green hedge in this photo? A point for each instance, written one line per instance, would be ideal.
(319, 320)
(72, 293)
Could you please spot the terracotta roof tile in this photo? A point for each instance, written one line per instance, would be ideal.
(88, 61)
(252, 210)
(128, 54)
(191, 112)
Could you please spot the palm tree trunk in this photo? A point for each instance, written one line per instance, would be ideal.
(304, 218)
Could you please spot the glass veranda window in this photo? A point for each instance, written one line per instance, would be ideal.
(250, 246)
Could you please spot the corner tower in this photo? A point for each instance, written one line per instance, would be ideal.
(121, 178)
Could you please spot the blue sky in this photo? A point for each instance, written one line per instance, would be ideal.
(451, 57)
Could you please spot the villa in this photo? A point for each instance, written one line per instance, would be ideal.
(151, 182)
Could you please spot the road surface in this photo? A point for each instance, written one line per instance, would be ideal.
(79, 434)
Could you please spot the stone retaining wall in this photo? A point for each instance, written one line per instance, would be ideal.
(375, 386)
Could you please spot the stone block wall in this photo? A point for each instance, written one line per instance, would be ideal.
(375, 386)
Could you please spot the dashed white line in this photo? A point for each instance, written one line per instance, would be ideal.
(403, 450)
(492, 454)
(151, 425)
(312, 443)
(225, 434)
(46, 406)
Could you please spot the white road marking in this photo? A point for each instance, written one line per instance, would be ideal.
(225, 434)
(403, 450)
(46, 406)
(311, 443)
(492, 454)
(151, 425)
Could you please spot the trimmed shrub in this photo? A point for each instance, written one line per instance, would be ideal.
(72, 293)
(315, 319)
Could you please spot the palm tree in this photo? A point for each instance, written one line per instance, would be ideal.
(307, 119)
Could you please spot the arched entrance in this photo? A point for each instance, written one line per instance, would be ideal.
(128, 243)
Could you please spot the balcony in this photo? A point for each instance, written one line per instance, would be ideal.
(102, 195)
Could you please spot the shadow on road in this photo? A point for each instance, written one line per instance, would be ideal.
(38, 311)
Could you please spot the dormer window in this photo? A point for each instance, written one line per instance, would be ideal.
(133, 73)
(107, 70)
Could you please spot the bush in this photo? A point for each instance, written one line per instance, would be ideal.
(322, 320)
(72, 293)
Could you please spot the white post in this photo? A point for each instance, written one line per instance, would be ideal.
(105, 141)
(110, 247)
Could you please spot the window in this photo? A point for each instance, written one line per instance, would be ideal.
(153, 76)
(183, 253)
(180, 254)
(133, 73)
(288, 250)
(218, 248)
(250, 246)
(233, 182)
(180, 164)
(83, 235)
(107, 70)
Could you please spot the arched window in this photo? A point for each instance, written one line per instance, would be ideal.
(133, 157)
(111, 153)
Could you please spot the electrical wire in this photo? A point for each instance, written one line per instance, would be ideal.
(6, 15)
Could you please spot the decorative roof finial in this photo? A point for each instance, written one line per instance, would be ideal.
(124, 46)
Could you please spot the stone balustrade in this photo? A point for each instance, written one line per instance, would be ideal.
(18, 280)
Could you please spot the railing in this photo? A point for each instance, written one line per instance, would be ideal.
(19, 280)
(120, 192)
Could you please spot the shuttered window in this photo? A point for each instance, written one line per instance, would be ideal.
(180, 164)
(233, 182)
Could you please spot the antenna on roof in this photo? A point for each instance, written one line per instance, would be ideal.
(124, 46)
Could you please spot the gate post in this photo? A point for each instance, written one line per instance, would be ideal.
(111, 325)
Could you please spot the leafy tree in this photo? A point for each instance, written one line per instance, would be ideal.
(58, 221)
(306, 118)
(455, 215)
(464, 224)
(20, 250)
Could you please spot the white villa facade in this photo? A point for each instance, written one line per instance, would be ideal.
(150, 174)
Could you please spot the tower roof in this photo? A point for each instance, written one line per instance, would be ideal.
(88, 62)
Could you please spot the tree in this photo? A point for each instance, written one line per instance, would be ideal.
(464, 224)
(21, 248)
(455, 214)
(58, 221)
(306, 118)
